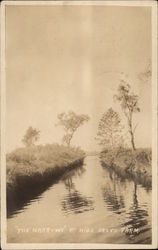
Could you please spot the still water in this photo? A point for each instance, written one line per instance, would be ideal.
(90, 204)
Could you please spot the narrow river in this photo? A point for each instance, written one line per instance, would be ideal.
(88, 205)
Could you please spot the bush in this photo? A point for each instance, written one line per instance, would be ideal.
(136, 163)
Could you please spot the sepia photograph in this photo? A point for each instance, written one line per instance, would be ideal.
(79, 124)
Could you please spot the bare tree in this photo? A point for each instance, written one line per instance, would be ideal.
(30, 137)
(110, 130)
(71, 122)
(129, 105)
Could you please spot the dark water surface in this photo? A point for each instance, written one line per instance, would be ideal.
(90, 204)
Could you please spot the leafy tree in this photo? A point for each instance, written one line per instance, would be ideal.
(110, 130)
(129, 105)
(71, 122)
(30, 137)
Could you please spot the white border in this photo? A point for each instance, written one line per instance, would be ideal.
(2, 135)
(154, 129)
(141, 3)
(154, 244)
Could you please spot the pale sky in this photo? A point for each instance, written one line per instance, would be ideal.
(61, 58)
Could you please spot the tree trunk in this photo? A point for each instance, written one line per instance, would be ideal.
(70, 138)
(132, 135)
(135, 201)
(132, 141)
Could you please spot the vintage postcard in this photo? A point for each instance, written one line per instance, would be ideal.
(79, 125)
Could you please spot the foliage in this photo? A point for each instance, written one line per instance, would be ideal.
(30, 137)
(129, 105)
(138, 161)
(110, 130)
(71, 122)
(39, 159)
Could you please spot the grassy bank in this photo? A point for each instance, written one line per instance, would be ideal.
(32, 170)
(130, 164)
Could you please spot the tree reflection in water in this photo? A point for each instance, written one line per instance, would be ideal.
(137, 221)
(74, 201)
(136, 225)
(112, 198)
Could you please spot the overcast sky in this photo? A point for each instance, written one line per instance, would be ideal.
(61, 58)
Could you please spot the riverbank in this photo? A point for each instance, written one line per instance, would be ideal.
(31, 170)
(74, 201)
(127, 163)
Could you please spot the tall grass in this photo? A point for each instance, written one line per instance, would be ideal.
(35, 167)
(38, 159)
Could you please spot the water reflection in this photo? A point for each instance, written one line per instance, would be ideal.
(74, 201)
(113, 199)
(23, 199)
(67, 177)
(91, 195)
(143, 180)
(136, 218)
